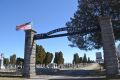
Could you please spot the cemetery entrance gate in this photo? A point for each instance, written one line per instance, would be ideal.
(107, 38)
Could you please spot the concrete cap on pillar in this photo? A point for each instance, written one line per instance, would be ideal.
(31, 30)
(104, 17)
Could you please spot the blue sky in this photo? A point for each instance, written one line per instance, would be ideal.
(46, 15)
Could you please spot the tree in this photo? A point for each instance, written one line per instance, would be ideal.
(40, 54)
(76, 59)
(19, 61)
(86, 19)
(84, 59)
(48, 58)
(6, 61)
(59, 58)
(13, 60)
(80, 60)
(89, 61)
(56, 57)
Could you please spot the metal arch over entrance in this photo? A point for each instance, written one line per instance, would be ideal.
(110, 59)
(51, 34)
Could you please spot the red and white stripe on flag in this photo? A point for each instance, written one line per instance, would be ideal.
(25, 26)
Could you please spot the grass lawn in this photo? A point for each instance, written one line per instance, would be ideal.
(11, 78)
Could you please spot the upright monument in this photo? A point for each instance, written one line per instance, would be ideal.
(1, 61)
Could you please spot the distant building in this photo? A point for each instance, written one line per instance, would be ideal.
(99, 57)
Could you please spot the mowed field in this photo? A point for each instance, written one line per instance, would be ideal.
(11, 78)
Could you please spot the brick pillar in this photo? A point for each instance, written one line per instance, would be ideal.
(110, 57)
(29, 54)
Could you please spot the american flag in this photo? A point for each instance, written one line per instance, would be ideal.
(25, 26)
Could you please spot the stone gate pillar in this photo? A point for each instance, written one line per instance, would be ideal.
(29, 54)
(110, 57)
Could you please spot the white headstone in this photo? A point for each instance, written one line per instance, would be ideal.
(1, 61)
(52, 65)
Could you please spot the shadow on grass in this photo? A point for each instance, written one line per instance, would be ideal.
(81, 79)
(11, 76)
(73, 73)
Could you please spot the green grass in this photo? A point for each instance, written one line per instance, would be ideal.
(11, 78)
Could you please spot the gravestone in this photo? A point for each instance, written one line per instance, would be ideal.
(52, 65)
(1, 61)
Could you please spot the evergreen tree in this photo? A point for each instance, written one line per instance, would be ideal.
(40, 54)
(81, 60)
(56, 57)
(86, 18)
(13, 59)
(89, 61)
(59, 58)
(76, 59)
(84, 59)
(48, 58)
(6, 61)
(19, 61)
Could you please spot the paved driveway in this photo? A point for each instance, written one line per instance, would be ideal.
(46, 77)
